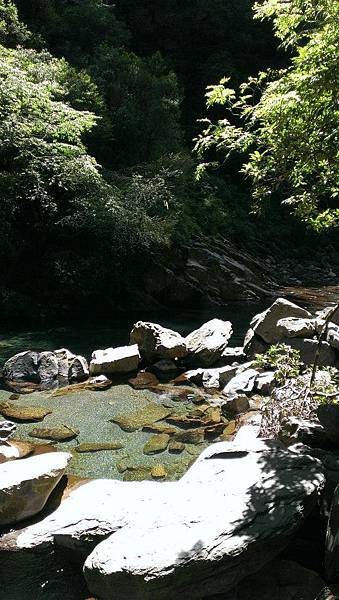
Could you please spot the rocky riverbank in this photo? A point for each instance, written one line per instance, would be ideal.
(263, 445)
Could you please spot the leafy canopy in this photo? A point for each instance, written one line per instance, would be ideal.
(284, 123)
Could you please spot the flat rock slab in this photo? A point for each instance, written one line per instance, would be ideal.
(25, 485)
(23, 413)
(56, 434)
(147, 415)
(115, 361)
(233, 510)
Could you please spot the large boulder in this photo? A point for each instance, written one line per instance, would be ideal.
(253, 344)
(22, 367)
(282, 580)
(244, 383)
(78, 369)
(115, 360)
(292, 327)
(25, 485)
(265, 324)
(186, 545)
(47, 369)
(207, 344)
(156, 342)
(328, 415)
(308, 349)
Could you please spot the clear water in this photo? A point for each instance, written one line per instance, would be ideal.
(26, 576)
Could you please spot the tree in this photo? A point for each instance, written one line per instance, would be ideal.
(284, 123)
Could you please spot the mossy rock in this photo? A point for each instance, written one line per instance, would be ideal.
(158, 472)
(23, 413)
(143, 381)
(99, 447)
(160, 428)
(147, 415)
(57, 434)
(156, 443)
(137, 473)
(190, 436)
(176, 447)
(229, 432)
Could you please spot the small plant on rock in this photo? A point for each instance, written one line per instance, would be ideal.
(283, 359)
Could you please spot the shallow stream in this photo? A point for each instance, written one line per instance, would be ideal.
(25, 577)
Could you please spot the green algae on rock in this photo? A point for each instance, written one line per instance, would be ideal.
(146, 415)
(23, 413)
(99, 446)
(160, 428)
(176, 447)
(156, 443)
(143, 380)
(137, 473)
(158, 472)
(190, 436)
(57, 434)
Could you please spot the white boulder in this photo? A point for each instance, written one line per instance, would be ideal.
(207, 344)
(156, 342)
(124, 359)
(265, 324)
(291, 327)
(183, 544)
(25, 485)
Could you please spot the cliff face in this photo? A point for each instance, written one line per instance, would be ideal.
(209, 273)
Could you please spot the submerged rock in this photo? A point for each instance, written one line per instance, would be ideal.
(157, 443)
(143, 381)
(137, 473)
(23, 413)
(100, 382)
(176, 447)
(99, 446)
(207, 344)
(156, 342)
(159, 472)
(190, 436)
(147, 415)
(57, 434)
(115, 361)
(78, 370)
(165, 366)
(25, 485)
(48, 370)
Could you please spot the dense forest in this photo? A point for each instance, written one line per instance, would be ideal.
(100, 110)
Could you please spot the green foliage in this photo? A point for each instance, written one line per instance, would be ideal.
(143, 106)
(283, 359)
(12, 31)
(285, 123)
